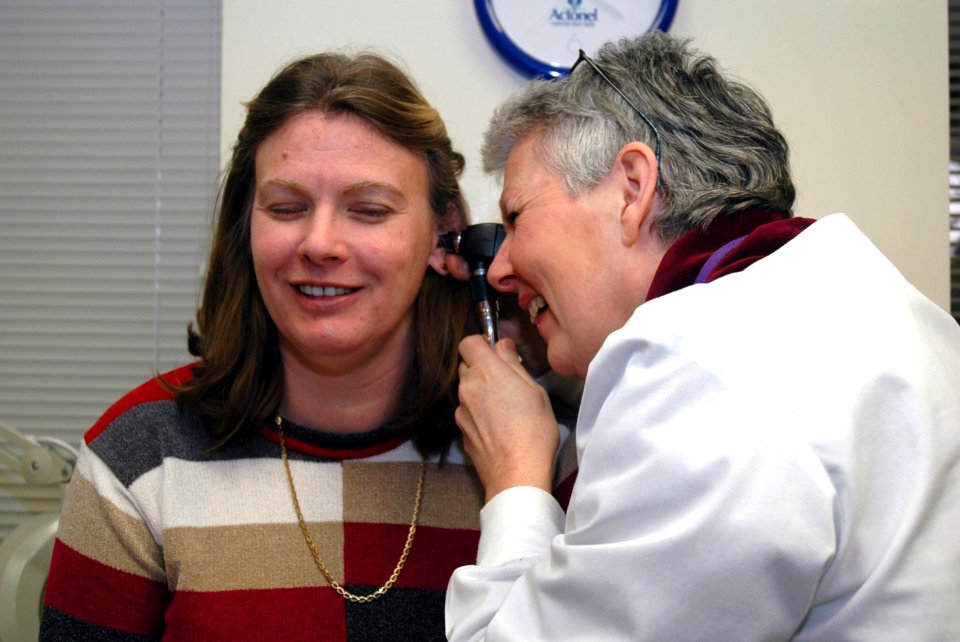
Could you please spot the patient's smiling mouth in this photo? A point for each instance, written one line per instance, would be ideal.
(324, 291)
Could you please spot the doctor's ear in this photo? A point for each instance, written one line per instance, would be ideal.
(638, 164)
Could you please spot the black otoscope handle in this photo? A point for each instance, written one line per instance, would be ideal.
(484, 299)
(478, 244)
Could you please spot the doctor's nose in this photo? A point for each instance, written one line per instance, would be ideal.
(500, 275)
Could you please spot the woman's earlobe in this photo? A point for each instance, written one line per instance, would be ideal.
(440, 266)
(438, 259)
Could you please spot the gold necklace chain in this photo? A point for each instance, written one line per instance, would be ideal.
(335, 585)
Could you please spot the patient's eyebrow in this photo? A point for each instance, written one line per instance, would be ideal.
(375, 187)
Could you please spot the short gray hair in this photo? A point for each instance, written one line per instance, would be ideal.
(721, 153)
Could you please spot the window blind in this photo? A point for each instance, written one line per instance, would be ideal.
(109, 156)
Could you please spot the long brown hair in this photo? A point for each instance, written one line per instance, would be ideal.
(238, 382)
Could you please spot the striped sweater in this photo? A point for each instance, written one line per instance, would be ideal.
(161, 540)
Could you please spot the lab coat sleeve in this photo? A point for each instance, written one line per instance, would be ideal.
(693, 518)
(517, 526)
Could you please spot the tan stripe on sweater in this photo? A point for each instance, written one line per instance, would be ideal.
(385, 492)
(107, 534)
(251, 556)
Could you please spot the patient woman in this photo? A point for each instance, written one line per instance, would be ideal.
(300, 481)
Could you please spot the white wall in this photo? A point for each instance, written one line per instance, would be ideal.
(860, 88)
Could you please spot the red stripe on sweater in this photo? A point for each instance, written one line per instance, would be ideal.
(372, 551)
(291, 615)
(152, 390)
(271, 433)
(93, 592)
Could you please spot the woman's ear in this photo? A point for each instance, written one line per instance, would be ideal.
(439, 258)
(438, 261)
(638, 164)
(438, 255)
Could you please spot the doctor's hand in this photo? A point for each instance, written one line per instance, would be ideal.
(506, 419)
(456, 266)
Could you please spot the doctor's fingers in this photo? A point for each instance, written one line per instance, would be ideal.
(486, 383)
(474, 349)
(456, 266)
(475, 352)
(465, 422)
(480, 446)
(507, 350)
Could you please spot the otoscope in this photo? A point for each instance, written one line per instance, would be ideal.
(478, 244)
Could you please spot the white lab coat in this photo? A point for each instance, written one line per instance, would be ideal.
(774, 455)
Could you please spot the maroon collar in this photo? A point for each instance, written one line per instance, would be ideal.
(764, 233)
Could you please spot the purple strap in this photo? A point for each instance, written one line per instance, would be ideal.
(716, 257)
